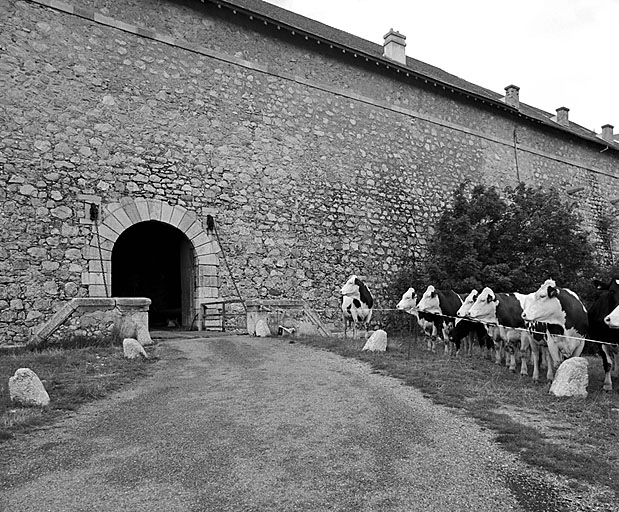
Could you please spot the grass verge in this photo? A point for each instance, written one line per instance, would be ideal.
(573, 437)
(71, 377)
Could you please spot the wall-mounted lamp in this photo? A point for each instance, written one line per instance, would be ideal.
(574, 190)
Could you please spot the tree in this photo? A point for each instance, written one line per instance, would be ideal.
(510, 241)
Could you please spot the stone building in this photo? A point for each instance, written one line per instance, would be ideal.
(158, 148)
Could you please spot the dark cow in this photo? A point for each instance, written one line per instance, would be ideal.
(564, 318)
(357, 304)
(603, 326)
(502, 315)
(408, 304)
(439, 307)
(468, 331)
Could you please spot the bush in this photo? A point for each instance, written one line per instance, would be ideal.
(512, 241)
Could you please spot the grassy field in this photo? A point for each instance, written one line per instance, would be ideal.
(71, 377)
(574, 437)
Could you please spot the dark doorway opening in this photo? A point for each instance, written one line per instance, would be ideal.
(155, 260)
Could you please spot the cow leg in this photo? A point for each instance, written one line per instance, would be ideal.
(525, 353)
(447, 346)
(367, 321)
(457, 344)
(509, 358)
(607, 361)
(555, 356)
(550, 365)
(430, 340)
(498, 357)
(447, 330)
(510, 351)
(512, 360)
(488, 347)
(535, 350)
(486, 344)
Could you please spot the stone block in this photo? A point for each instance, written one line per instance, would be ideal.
(177, 215)
(572, 378)
(25, 388)
(154, 207)
(166, 213)
(377, 342)
(114, 224)
(262, 328)
(132, 349)
(141, 206)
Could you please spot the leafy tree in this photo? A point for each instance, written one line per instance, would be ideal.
(510, 241)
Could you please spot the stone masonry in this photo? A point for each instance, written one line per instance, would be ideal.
(314, 163)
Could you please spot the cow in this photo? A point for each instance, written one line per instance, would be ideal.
(467, 330)
(408, 304)
(564, 319)
(439, 307)
(357, 304)
(603, 317)
(502, 315)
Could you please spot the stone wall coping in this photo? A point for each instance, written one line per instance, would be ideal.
(275, 303)
(93, 301)
(132, 301)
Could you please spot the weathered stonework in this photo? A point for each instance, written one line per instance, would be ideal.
(96, 319)
(315, 163)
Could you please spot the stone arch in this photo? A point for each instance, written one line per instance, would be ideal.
(128, 212)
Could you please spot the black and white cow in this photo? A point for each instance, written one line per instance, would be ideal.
(357, 304)
(564, 318)
(467, 331)
(502, 315)
(603, 317)
(439, 307)
(408, 304)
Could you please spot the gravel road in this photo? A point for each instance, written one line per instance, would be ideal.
(258, 424)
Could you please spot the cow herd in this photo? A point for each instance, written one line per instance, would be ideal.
(542, 328)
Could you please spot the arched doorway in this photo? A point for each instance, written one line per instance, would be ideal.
(156, 260)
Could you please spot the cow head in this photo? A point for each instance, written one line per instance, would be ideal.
(612, 320)
(408, 303)
(351, 287)
(544, 306)
(484, 307)
(610, 297)
(430, 302)
(467, 304)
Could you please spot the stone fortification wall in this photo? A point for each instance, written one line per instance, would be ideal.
(315, 165)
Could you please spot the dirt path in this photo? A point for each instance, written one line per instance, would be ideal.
(249, 424)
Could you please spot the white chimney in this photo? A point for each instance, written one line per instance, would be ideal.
(607, 132)
(562, 116)
(394, 46)
(512, 96)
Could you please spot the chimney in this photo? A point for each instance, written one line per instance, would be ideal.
(394, 46)
(512, 96)
(607, 132)
(562, 116)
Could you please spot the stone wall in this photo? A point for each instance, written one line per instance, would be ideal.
(84, 321)
(315, 164)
